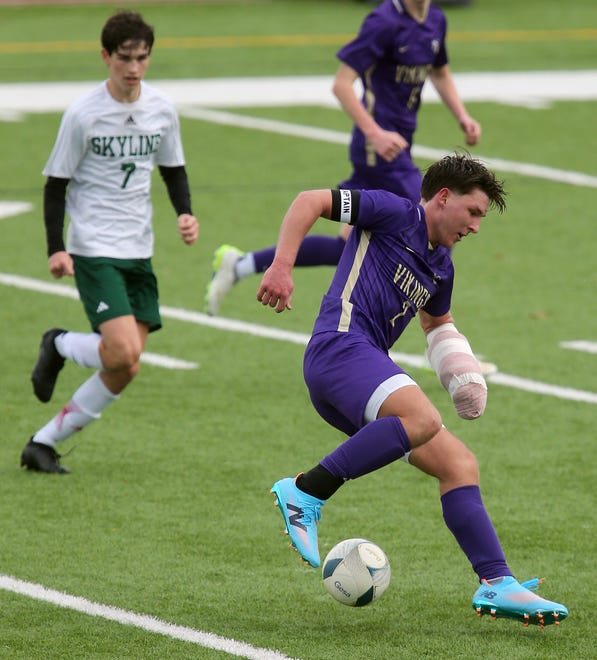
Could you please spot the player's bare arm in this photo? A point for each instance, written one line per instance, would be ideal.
(387, 144)
(443, 82)
(277, 286)
(428, 322)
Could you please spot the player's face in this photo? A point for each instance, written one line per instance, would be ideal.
(127, 66)
(460, 215)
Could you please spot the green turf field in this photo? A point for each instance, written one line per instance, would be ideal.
(167, 511)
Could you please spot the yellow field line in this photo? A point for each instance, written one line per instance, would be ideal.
(496, 36)
(582, 34)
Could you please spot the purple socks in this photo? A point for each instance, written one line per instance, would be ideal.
(377, 444)
(466, 517)
(314, 251)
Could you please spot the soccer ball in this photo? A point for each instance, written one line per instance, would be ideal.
(356, 572)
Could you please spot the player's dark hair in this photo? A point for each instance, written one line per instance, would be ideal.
(461, 173)
(126, 26)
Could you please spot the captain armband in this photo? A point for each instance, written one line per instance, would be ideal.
(458, 370)
(345, 205)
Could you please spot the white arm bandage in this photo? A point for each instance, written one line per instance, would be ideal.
(450, 355)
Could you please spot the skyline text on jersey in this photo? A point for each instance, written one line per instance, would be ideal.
(122, 146)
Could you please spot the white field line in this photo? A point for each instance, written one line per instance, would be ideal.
(167, 362)
(194, 97)
(68, 291)
(232, 325)
(531, 89)
(128, 618)
(580, 345)
(338, 137)
(527, 385)
(8, 209)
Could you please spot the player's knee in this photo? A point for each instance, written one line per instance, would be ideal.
(421, 428)
(122, 356)
(129, 362)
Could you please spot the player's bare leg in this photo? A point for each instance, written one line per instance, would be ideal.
(123, 340)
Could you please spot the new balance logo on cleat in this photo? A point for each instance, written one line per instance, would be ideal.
(301, 512)
(102, 307)
(130, 120)
(293, 519)
(506, 598)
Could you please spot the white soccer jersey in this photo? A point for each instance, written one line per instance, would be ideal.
(108, 150)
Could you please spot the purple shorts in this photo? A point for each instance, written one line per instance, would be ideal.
(401, 177)
(349, 378)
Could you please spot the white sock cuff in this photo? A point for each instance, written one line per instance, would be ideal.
(245, 266)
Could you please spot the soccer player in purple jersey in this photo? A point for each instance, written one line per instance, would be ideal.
(396, 265)
(400, 44)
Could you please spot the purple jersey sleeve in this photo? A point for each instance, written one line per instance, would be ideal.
(387, 271)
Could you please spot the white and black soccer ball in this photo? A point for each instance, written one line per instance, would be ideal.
(356, 572)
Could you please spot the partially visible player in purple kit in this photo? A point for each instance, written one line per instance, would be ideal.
(397, 264)
(400, 44)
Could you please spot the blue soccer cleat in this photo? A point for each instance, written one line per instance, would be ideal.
(507, 598)
(301, 513)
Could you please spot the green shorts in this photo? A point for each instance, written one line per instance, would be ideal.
(110, 288)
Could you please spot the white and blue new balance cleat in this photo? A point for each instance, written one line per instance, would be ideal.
(506, 598)
(301, 513)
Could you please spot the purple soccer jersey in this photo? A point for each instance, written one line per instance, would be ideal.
(387, 271)
(393, 55)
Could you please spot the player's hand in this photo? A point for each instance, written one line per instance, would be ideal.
(388, 144)
(60, 264)
(472, 130)
(276, 289)
(188, 228)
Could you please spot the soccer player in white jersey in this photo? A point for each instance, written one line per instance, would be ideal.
(99, 172)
